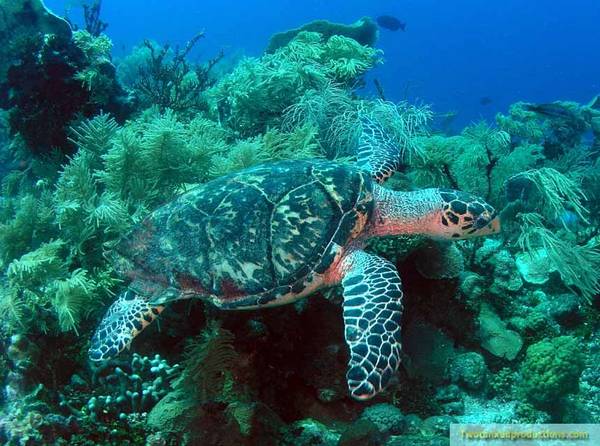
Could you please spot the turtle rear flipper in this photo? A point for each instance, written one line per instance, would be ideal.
(372, 312)
(123, 321)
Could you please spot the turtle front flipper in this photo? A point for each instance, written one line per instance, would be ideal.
(372, 312)
(377, 152)
(123, 321)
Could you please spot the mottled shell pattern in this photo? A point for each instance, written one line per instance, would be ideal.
(248, 238)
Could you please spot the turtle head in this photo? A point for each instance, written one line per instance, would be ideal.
(437, 213)
(464, 216)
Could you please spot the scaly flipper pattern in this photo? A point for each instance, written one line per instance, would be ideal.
(372, 312)
(377, 153)
(123, 321)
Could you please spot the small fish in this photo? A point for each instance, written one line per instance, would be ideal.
(391, 23)
(486, 100)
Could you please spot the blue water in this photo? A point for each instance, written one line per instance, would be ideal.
(451, 55)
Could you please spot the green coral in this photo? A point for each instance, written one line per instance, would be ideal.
(254, 96)
(522, 123)
(551, 370)
(558, 126)
(26, 222)
(57, 228)
(40, 281)
(274, 145)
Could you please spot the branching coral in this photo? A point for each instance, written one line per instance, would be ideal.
(169, 81)
(117, 390)
(91, 13)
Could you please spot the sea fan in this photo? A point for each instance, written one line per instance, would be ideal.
(578, 265)
(557, 192)
(207, 359)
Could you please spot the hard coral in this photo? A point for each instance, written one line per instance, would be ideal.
(551, 370)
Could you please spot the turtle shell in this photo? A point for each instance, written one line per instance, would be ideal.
(257, 234)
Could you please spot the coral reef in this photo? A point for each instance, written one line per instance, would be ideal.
(502, 330)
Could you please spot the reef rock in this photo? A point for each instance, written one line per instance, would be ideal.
(495, 336)
(171, 414)
(469, 371)
(506, 278)
(438, 260)
(309, 432)
(429, 351)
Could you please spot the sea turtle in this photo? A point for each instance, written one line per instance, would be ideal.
(275, 233)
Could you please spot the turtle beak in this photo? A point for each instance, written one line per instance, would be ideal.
(495, 225)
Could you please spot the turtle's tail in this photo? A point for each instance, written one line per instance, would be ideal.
(123, 321)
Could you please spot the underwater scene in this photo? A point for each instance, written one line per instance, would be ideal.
(297, 223)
